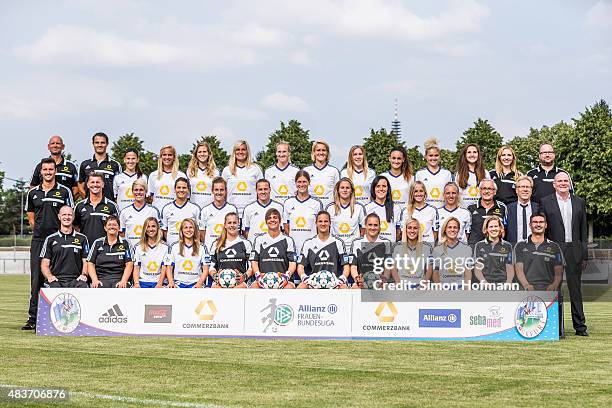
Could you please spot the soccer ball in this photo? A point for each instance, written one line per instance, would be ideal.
(227, 278)
(271, 280)
(323, 280)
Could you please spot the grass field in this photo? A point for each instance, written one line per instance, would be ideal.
(128, 371)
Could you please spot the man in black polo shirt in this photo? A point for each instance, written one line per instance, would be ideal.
(90, 214)
(42, 206)
(544, 175)
(65, 171)
(487, 206)
(64, 254)
(100, 163)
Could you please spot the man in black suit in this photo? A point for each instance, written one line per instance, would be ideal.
(567, 226)
(519, 212)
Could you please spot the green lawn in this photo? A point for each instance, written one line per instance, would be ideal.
(221, 372)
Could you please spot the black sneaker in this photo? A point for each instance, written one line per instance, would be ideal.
(29, 326)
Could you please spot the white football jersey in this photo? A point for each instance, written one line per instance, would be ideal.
(151, 261)
(241, 187)
(254, 217)
(434, 183)
(201, 188)
(399, 188)
(301, 217)
(172, 215)
(282, 181)
(132, 221)
(464, 217)
(187, 268)
(162, 190)
(387, 228)
(470, 194)
(122, 188)
(362, 184)
(346, 226)
(322, 182)
(212, 220)
(428, 218)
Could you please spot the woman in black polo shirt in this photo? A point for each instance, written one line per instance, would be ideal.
(493, 255)
(109, 263)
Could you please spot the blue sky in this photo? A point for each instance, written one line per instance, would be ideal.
(171, 72)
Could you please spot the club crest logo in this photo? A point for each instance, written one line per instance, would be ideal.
(530, 317)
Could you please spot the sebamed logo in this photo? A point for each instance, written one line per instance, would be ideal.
(241, 186)
(344, 228)
(113, 315)
(129, 193)
(440, 318)
(283, 190)
(276, 315)
(530, 317)
(319, 190)
(273, 252)
(386, 312)
(396, 195)
(218, 229)
(230, 253)
(358, 191)
(138, 230)
(65, 313)
(206, 310)
(435, 192)
(493, 318)
(201, 186)
(164, 190)
(324, 255)
(300, 222)
(473, 191)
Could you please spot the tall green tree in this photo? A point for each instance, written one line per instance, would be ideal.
(484, 135)
(448, 159)
(148, 160)
(12, 201)
(297, 137)
(219, 153)
(378, 145)
(587, 154)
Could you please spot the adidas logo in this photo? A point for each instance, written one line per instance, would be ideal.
(113, 315)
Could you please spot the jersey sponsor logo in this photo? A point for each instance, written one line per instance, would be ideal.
(263, 227)
(65, 168)
(386, 312)
(473, 191)
(65, 313)
(177, 226)
(230, 253)
(358, 191)
(206, 310)
(121, 247)
(344, 228)
(76, 241)
(241, 186)
(201, 186)
(530, 317)
(319, 190)
(384, 225)
(218, 229)
(164, 190)
(396, 195)
(324, 255)
(57, 194)
(138, 230)
(435, 192)
(300, 222)
(187, 265)
(273, 252)
(105, 209)
(129, 193)
(283, 189)
(152, 266)
(109, 167)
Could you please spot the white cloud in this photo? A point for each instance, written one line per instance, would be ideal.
(302, 57)
(280, 102)
(600, 15)
(235, 112)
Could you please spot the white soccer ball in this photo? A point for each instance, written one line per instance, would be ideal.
(271, 280)
(227, 278)
(323, 280)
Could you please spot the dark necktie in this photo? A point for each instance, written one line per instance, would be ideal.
(524, 220)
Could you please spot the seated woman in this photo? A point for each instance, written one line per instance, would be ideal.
(493, 255)
(418, 255)
(149, 256)
(109, 263)
(187, 260)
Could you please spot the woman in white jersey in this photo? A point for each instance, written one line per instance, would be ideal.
(434, 176)
(187, 261)
(505, 175)
(451, 209)
(347, 216)
(281, 175)
(122, 183)
(383, 206)
(201, 171)
(359, 173)
(323, 176)
(213, 215)
(470, 171)
(176, 211)
(418, 208)
(241, 175)
(418, 266)
(161, 181)
(452, 258)
(300, 211)
(400, 175)
(149, 256)
(133, 217)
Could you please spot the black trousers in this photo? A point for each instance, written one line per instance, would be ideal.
(66, 283)
(573, 277)
(36, 279)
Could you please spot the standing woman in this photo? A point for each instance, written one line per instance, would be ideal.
(426, 214)
(420, 266)
(201, 172)
(281, 175)
(187, 261)
(109, 264)
(132, 218)
(359, 173)
(495, 254)
(230, 251)
(122, 183)
(175, 212)
(399, 175)
(451, 209)
(149, 256)
(323, 176)
(383, 206)
(161, 181)
(470, 171)
(347, 216)
(434, 176)
(452, 258)
(300, 211)
(505, 175)
(241, 175)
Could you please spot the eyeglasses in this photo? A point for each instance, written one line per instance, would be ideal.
(547, 152)
(487, 189)
(527, 187)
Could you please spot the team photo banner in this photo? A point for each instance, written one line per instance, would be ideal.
(307, 314)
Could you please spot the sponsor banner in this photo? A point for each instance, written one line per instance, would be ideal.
(331, 314)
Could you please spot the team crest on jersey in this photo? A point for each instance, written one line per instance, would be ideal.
(121, 248)
(105, 208)
(57, 193)
(65, 168)
(76, 241)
